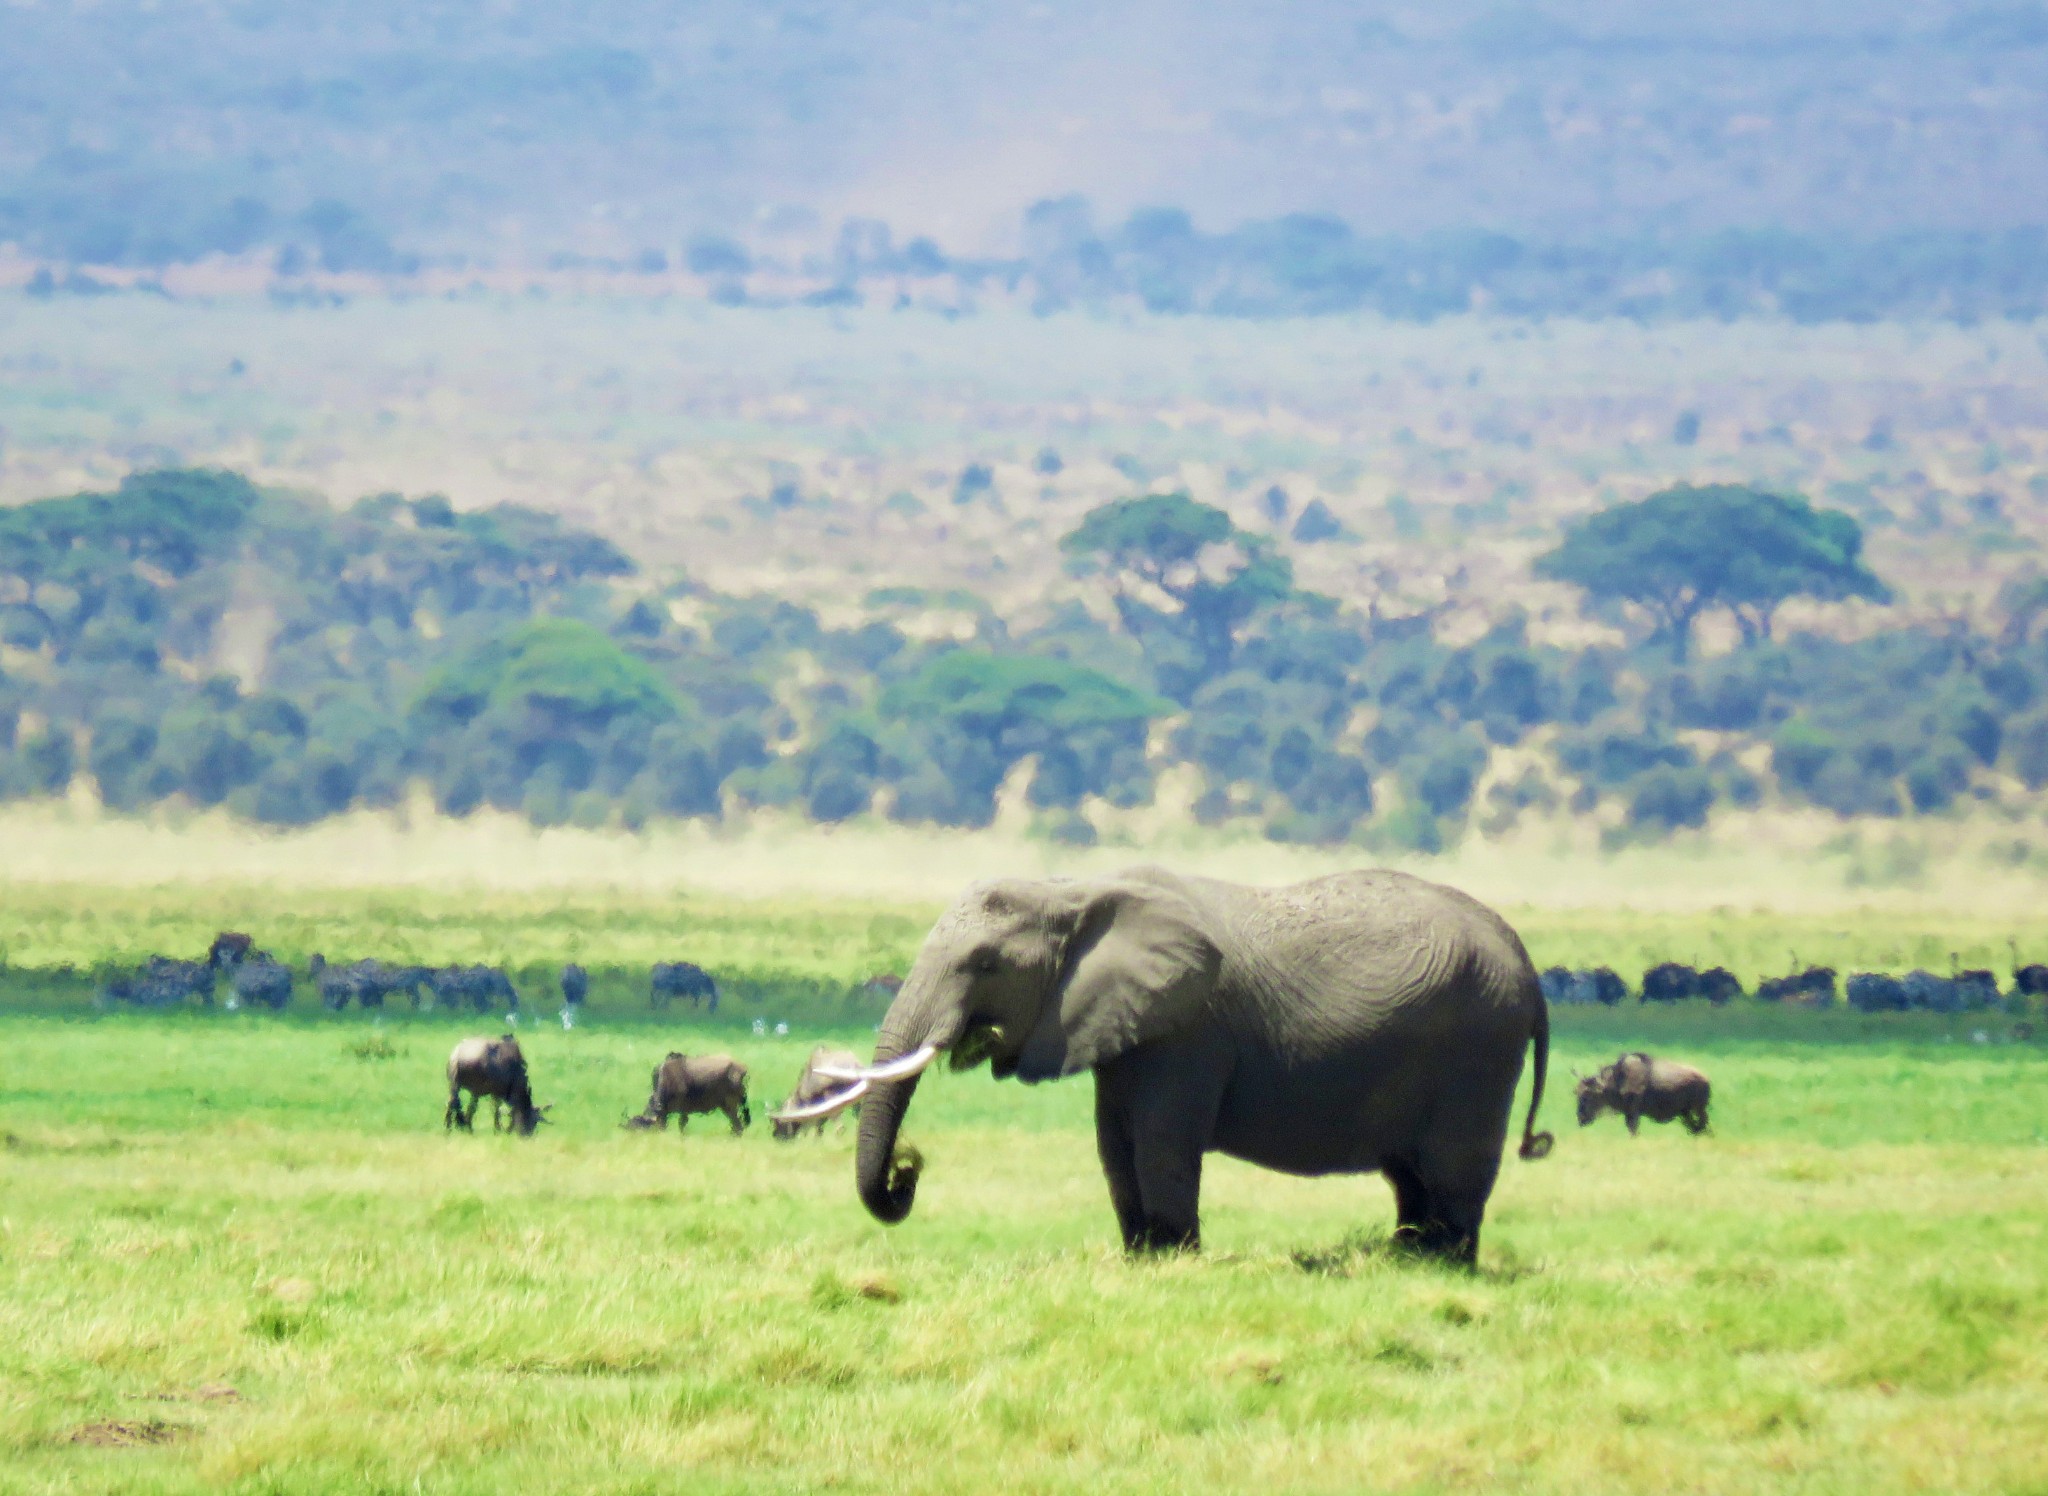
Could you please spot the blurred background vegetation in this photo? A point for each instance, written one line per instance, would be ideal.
(188, 638)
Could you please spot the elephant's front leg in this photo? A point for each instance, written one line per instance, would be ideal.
(1119, 1164)
(1156, 1107)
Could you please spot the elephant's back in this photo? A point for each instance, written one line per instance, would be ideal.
(1384, 938)
(1377, 996)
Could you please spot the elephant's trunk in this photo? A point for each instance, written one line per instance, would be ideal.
(921, 1021)
(887, 1179)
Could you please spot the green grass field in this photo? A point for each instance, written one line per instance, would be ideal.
(240, 1254)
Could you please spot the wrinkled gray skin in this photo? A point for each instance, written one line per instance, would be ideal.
(493, 1068)
(811, 1086)
(1366, 1022)
(687, 1084)
(1638, 1086)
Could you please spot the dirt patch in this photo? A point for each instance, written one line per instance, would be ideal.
(114, 1433)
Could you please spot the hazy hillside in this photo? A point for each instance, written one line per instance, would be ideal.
(1625, 139)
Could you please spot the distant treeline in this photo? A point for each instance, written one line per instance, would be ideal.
(1302, 265)
(190, 638)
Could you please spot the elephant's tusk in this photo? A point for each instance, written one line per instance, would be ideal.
(914, 1063)
(830, 1106)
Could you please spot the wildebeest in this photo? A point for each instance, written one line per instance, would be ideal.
(493, 1068)
(575, 984)
(482, 987)
(1812, 988)
(368, 981)
(1638, 1086)
(1877, 992)
(258, 977)
(1977, 988)
(1600, 985)
(163, 983)
(1719, 985)
(673, 979)
(2030, 980)
(685, 1085)
(228, 949)
(1670, 982)
(802, 1109)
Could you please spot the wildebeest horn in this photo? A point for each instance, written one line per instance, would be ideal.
(914, 1063)
(830, 1106)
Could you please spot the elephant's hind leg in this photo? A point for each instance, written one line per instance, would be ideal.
(1411, 1202)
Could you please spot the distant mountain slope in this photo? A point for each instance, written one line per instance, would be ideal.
(132, 133)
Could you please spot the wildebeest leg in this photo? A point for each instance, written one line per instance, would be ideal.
(453, 1115)
(732, 1115)
(1634, 1117)
(1696, 1121)
(682, 1121)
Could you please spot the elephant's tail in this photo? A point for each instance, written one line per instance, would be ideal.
(1536, 1144)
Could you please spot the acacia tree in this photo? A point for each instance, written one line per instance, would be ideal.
(1172, 560)
(1685, 551)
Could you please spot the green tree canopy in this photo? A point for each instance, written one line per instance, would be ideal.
(68, 563)
(1171, 559)
(1686, 550)
(987, 694)
(562, 671)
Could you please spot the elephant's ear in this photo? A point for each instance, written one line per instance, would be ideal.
(1138, 967)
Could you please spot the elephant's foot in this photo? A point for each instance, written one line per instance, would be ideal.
(1438, 1242)
(1155, 1237)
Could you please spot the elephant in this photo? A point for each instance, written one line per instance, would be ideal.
(1363, 1022)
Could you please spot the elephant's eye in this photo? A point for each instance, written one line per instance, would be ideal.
(986, 961)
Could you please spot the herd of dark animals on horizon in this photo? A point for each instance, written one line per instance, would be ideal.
(1809, 986)
(256, 979)
(1635, 1086)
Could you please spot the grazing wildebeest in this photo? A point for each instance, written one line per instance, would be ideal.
(493, 1068)
(258, 977)
(2030, 980)
(1719, 985)
(1572, 988)
(685, 1085)
(1638, 1086)
(1812, 988)
(1877, 992)
(1670, 982)
(368, 981)
(482, 987)
(163, 983)
(228, 949)
(1977, 988)
(818, 1098)
(1936, 994)
(575, 984)
(673, 979)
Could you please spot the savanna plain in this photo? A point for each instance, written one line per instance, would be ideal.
(239, 1253)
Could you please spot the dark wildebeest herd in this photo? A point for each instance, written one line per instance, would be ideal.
(495, 1069)
(1806, 986)
(1635, 1086)
(256, 979)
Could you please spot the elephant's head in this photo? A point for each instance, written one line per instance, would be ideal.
(1038, 979)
